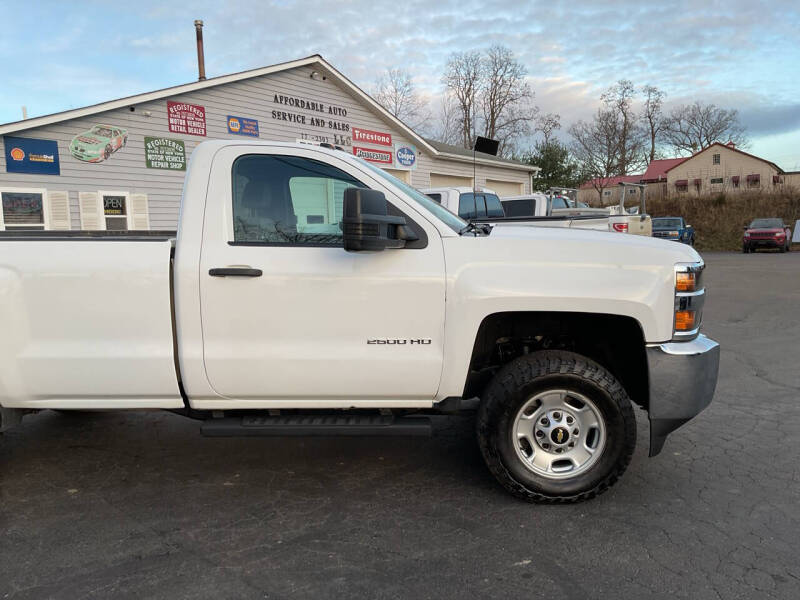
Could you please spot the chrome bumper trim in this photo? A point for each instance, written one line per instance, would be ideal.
(683, 377)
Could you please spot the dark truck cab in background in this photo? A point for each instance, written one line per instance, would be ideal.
(673, 228)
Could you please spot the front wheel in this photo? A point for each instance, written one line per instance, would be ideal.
(556, 427)
(745, 249)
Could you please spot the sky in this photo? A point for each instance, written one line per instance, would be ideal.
(735, 53)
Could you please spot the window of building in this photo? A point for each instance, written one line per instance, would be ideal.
(115, 211)
(715, 180)
(716, 159)
(23, 209)
(288, 200)
(607, 193)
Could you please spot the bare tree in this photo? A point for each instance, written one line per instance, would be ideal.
(618, 103)
(395, 91)
(505, 98)
(595, 146)
(462, 79)
(690, 128)
(491, 95)
(448, 129)
(653, 118)
(546, 125)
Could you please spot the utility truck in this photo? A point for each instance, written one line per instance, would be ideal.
(308, 292)
(551, 209)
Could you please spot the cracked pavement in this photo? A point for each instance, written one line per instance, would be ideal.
(134, 505)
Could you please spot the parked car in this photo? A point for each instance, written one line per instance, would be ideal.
(309, 292)
(673, 228)
(98, 143)
(767, 233)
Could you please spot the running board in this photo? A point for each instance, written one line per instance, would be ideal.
(317, 425)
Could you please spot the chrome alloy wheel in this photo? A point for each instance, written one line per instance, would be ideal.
(558, 434)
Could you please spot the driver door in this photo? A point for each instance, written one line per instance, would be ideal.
(306, 320)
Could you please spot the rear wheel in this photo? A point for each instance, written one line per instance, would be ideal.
(556, 427)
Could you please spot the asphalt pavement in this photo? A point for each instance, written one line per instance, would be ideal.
(139, 505)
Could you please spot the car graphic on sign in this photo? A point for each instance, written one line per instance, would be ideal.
(98, 143)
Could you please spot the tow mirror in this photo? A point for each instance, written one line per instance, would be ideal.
(367, 225)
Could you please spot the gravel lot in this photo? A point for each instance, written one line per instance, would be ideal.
(140, 505)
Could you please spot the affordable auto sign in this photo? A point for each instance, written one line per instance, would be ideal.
(31, 155)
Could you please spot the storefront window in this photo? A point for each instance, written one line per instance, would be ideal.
(115, 212)
(23, 210)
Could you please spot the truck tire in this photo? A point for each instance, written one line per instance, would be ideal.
(556, 427)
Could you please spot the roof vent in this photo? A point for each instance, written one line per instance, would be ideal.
(731, 144)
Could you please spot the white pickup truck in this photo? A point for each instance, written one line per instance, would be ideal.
(536, 210)
(309, 292)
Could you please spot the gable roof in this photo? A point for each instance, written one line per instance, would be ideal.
(314, 59)
(657, 169)
(608, 182)
(734, 149)
(450, 150)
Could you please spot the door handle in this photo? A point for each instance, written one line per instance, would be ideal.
(235, 272)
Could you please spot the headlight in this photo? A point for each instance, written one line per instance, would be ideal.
(689, 298)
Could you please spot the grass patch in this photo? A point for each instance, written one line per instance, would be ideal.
(719, 219)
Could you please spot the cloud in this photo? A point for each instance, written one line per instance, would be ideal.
(573, 50)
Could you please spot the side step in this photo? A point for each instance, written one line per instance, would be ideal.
(317, 425)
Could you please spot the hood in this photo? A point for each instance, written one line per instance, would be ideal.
(588, 245)
(88, 140)
(568, 270)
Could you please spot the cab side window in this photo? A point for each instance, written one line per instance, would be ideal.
(288, 200)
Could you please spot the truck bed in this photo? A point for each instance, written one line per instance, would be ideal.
(86, 326)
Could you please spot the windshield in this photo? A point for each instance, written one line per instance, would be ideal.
(101, 131)
(663, 223)
(766, 224)
(440, 212)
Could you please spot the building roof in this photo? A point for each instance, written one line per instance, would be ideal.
(446, 151)
(657, 169)
(465, 152)
(730, 146)
(607, 182)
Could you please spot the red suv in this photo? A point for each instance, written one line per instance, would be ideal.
(766, 233)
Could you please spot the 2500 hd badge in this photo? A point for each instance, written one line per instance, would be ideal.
(399, 341)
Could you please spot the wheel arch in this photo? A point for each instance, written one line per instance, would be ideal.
(614, 341)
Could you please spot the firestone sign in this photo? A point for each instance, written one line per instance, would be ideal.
(372, 137)
(186, 118)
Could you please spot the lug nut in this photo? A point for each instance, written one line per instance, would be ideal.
(559, 450)
(575, 431)
(539, 433)
(544, 421)
(572, 444)
(546, 446)
(557, 416)
(569, 420)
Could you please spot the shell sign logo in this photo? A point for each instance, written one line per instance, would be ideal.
(17, 154)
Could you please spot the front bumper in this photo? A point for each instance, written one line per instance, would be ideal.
(683, 376)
